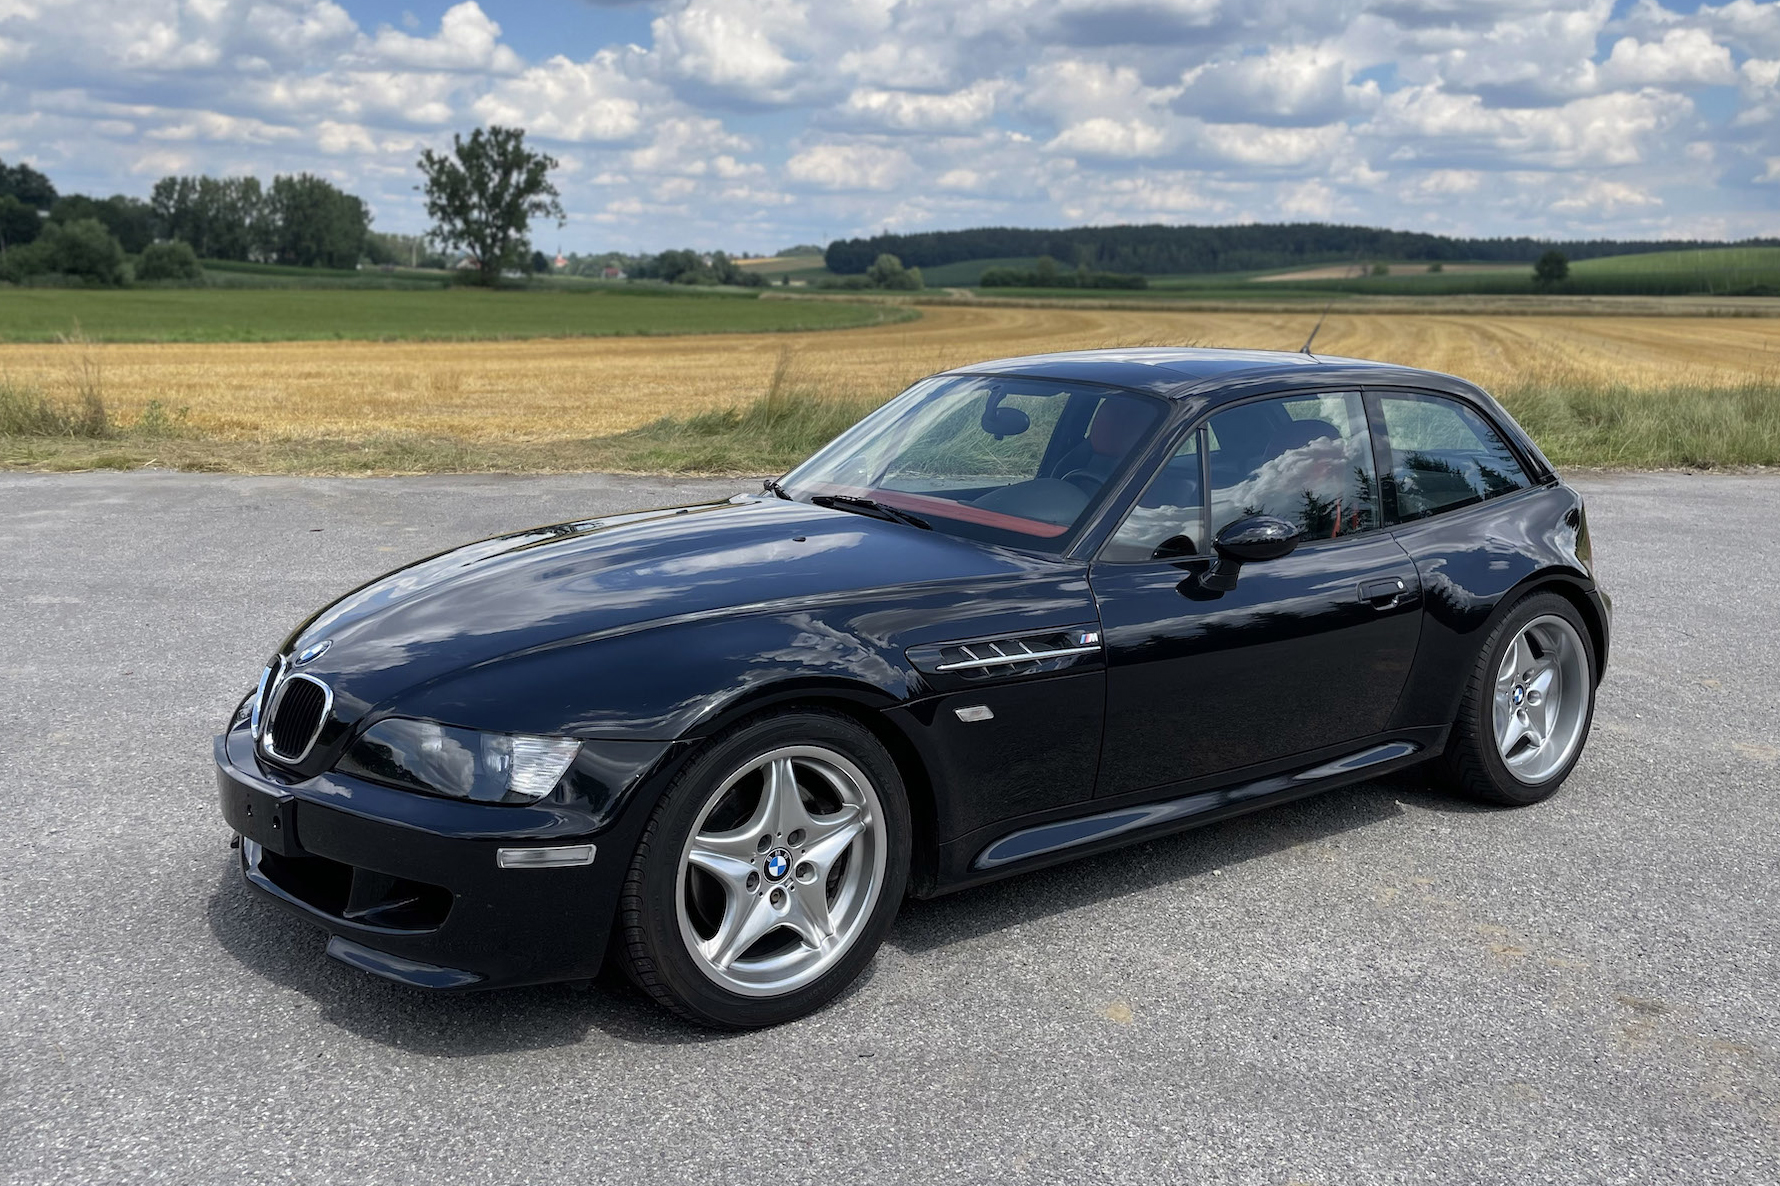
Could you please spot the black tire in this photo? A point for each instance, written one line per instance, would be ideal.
(651, 948)
(1472, 765)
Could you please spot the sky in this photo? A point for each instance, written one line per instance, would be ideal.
(751, 125)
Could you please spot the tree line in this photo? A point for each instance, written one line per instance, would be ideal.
(1160, 250)
(299, 219)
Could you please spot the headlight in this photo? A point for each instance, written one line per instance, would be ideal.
(462, 763)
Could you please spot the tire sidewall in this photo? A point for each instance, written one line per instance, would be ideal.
(1537, 605)
(656, 868)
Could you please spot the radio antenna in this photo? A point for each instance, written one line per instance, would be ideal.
(1305, 349)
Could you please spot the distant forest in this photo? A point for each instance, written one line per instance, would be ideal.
(1161, 250)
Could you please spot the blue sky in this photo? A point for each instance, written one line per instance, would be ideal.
(755, 124)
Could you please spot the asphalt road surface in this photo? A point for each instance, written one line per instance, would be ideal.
(1377, 985)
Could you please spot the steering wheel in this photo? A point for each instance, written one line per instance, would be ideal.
(1084, 481)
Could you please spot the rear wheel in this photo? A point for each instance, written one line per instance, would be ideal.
(769, 873)
(1528, 706)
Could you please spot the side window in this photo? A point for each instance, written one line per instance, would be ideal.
(1168, 520)
(1443, 455)
(1305, 458)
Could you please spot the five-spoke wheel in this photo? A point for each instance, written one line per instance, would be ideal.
(770, 872)
(1527, 710)
(782, 870)
(1541, 688)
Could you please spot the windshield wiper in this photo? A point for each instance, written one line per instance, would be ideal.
(870, 506)
(771, 486)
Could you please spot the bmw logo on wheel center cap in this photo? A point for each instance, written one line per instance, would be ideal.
(778, 863)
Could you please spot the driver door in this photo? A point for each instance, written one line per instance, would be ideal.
(1307, 651)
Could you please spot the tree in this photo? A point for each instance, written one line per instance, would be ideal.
(483, 196)
(131, 220)
(309, 223)
(81, 250)
(1551, 268)
(887, 272)
(168, 261)
(26, 184)
(221, 219)
(19, 223)
(540, 262)
(683, 266)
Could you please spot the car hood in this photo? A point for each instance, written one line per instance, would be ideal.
(585, 580)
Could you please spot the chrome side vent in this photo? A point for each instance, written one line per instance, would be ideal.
(295, 711)
(1023, 654)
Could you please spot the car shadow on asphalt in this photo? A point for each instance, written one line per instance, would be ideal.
(289, 952)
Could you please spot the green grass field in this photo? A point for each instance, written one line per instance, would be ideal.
(237, 274)
(369, 314)
(970, 272)
(809, 268)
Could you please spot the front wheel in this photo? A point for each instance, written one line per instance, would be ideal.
(1528, 706)
(769, 873)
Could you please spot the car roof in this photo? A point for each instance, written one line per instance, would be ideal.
(1177, 371)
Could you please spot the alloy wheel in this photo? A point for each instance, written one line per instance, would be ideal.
(1541, 699)
(782, 870)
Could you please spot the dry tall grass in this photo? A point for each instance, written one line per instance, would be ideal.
(505, 404)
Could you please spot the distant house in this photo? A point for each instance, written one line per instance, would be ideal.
(560, 262)
(611, 272)
(466, 263)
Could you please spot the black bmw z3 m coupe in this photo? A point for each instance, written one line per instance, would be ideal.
(1025, 612)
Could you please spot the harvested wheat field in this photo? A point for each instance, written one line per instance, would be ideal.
(485, 395)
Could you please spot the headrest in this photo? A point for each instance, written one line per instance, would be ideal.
(1303, 432)
(1118, 425)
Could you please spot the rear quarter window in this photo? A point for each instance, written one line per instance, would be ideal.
(1443, 455)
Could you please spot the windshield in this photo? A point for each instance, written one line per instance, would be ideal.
(1009, 461)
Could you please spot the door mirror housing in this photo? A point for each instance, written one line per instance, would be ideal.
(1248, 541)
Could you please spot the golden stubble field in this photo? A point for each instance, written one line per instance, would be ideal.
(561, 389)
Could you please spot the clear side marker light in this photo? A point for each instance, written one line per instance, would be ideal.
(975, 712)
(562, 856)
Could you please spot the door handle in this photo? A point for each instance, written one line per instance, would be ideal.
(1384, 594)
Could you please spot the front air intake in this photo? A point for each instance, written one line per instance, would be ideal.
(299, 706)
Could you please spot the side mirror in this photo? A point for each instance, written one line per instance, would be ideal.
(1247, 541)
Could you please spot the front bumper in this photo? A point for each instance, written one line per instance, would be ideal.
(408, 886)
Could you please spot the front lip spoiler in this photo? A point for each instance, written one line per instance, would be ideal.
(394, 967)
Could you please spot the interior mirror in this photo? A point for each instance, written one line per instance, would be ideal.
(1005, 422)
(1001, 422)
(1248, 541)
